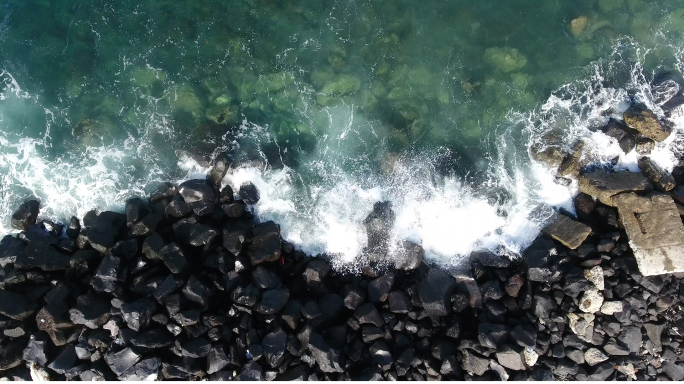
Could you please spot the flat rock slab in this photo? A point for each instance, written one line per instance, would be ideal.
(655, 232)
(569, 232)
(604, 185)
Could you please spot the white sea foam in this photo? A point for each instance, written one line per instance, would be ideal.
(322, 204)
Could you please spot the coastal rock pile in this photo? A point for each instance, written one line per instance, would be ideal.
(186, 285)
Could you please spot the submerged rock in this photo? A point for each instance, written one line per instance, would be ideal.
(505, 59)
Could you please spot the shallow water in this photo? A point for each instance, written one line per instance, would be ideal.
(328, 107)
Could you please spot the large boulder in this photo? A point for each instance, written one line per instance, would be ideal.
(435, 292)
(378, 225)
(625, 136)
(655, 231)
(569, 232)
(265, 243)
(26, 215)
(646, 122)
(662, 179)
(604, 185)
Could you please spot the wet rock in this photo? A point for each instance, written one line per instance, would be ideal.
(379, 288)
(164, 191)
(219, 169)
(473, 363)
(234, 210)
(265, 243)
(511, 357)
(16, 306)
(196, 191)
(646, 122)
(25, 215)
(249, 193)
(661, 179)
(327, 358)
(315, 272)
(272, 301)
(409, 256)
(399, 302)
(569, 232)
(513, 285)
(178, 207)
(491, 290)
(645, 145)
(435, 292)
(378, 225)
(354, 296)
(90, 311)
(551, 155)
(655, 232)
(625, 136)
(604, 185)
(138, 314)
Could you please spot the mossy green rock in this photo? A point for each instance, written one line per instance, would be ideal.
(505, 59)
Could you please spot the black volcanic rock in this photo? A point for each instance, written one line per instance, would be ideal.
(25, 215)
(138, 313)
(538, 260)
(435, 292)
(158, 337)
(16, 306)
(265, 279)
(119, 362)
(368, 314)
(249, 193)
(90, 311)
(353, 296)
(380, 287)
(328, 359)
(197, 292)
(265, 243)
(274, 347)
(272, 301)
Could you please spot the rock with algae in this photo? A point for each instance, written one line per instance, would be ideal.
(505, 59)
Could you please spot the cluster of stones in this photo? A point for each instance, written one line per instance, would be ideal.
(186, 285)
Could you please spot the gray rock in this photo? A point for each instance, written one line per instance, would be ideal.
(631, 338)
(435, 292)
(473, 363)
(594, 356)
(511, 357)
(625, 136)
(661, 179)
(655, 231)
(569, 232)
(674, 371)
(654, 332)
(646, 122)
(120, 362)
(614, 349)
(591, 301)
(604, 185)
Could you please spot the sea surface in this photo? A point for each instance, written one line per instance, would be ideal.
(329, 107)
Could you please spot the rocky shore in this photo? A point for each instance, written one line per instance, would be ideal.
(186, 285)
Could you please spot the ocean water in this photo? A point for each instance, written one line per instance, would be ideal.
(329, 107)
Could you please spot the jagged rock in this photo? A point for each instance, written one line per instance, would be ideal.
(219, 169)
(234, 210)
(576, 282)
(265, 279)
(90, 311)
(595, 276)
(164, 191)
(582, 325)
(65, 360)
(196, 348)
(513, 285)
(591, 301)
(602, 372)
(153, 338)
(435, 292)
(593, 356)
(234, 237)
(25, 215)
(274, 347)
(108, 274)
(146, 370)
(166, 287)
(525, 335)
(631, 338)
(645, 145)
(543, 305)
(511, 357)
(138, 313)
(16, 306)
(473, 363)
(246, 296)
(195, 191)
(381, 354)
(625, 136)
(569, 232)
(147, 225)
(551, 155)
(174, 258)
(251, 372)
(399, 302)
(216, 359)
(614, 349)
(655, 231)
(272, 301)
(538, 260)
(353, 296)
(674, 371)
(120, 362)
(378, 225)
(646, 122)
(197, 292)
(178, 207)
(604, 185)
(35, 351)
(328, 359)
(265, 243)
(654, 333)
(249, 193)
(368, 314)
(409, 256)
(611, 307)
(661, 179)
(530, 356)
(493, 335)
(379, 288)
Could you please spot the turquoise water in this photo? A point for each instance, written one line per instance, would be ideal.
(326, 106)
